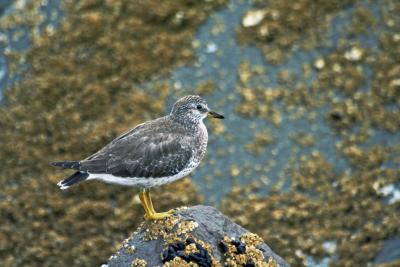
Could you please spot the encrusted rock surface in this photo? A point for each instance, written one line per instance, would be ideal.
(197, 235)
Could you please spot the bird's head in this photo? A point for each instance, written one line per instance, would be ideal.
(192, 108)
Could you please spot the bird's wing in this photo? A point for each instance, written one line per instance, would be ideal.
(141, 154)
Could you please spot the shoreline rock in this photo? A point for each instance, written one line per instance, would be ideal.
(200, 235)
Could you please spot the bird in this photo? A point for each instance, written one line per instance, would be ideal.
(153, 153)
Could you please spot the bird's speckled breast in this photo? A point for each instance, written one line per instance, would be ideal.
(201, 144)
(202, 139)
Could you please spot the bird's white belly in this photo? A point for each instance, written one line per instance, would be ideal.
(142, 181)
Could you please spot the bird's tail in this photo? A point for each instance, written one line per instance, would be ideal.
(73, 179)
(66, 164)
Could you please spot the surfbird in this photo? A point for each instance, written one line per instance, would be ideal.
(151, 154)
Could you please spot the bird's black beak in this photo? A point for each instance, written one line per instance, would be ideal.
(215, 115)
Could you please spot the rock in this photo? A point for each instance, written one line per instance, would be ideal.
(200, 234)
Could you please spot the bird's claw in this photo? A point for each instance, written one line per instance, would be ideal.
(158, 215)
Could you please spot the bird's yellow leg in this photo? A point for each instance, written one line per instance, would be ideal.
(148, 200)
(146, 208)
(153, 215)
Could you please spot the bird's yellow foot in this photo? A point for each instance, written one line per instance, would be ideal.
(150, 213)
(158, 215)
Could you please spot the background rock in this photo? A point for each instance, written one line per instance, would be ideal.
(203, 227)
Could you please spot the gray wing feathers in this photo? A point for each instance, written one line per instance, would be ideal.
(138, 154)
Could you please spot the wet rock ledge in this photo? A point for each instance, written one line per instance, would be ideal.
(195, 236)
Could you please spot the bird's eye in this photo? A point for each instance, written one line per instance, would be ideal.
(199, 107)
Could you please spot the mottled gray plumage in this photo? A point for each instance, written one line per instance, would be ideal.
(159, 148)
(152, 153)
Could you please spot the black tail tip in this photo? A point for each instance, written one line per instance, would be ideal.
(73, 179)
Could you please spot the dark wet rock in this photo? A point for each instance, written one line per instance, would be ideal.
(198, 234)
